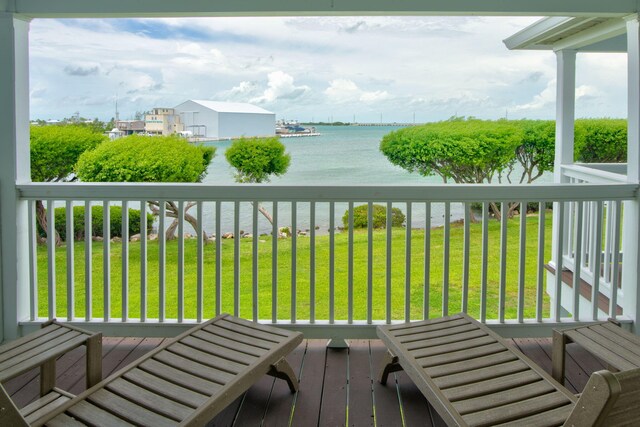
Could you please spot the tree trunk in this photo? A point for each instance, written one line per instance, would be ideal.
(193, 221)
(41, 215)
(172, 212)
(170, 233)
(265, 213)
(496, 210)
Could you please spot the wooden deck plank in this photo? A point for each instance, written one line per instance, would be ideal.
(587, 362)
(360, 384)
(416, 410)
(387, 405)
(307, 408)
(227, 416)
(333, 411)
(117, 354)
(281, 402)
(532, 349)
(576, 377)
(255, 402)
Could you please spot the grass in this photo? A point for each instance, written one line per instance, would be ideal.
(303, 301)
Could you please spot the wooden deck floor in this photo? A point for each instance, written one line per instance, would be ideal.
(337, 387)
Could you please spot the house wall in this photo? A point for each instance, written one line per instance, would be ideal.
(234, 125)
(162, 123)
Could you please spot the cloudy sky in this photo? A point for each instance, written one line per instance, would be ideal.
(325, 68)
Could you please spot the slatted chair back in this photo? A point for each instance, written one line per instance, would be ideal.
(609, 399)
(9, 413)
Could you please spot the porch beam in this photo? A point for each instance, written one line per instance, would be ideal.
(154, 8)
(14, 168)
(605, 31)
(631, 236)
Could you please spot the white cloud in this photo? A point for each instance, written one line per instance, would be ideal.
(546, 99)
(344, 90)
(281, 86)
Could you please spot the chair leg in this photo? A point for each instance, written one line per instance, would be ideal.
(47, 376)
(388, 365)
(281, 369)
(94, 360)
(558, 355)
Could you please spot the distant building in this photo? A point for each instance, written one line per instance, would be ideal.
(163, 121)
(225, 120)
(130, 127)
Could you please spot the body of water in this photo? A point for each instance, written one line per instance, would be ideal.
(341, 155)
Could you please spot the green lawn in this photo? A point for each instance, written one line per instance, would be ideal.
(303, 275)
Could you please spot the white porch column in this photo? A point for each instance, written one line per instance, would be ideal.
(631, 225)
(14, 168)
(565, 110)
(565, 118)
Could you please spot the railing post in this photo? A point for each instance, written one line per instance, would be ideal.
(14, 168)
(631, 226)
(565, 118)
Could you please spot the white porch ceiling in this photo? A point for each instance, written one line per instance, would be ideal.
(158, 8)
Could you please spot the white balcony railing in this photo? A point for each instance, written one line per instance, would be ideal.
(592, 237)
(329, 282)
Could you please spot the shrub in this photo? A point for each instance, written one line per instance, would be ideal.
(379, 217)
(601, 140)
(96, 222)
(138, 158)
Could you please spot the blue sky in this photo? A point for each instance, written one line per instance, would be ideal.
(311, 68)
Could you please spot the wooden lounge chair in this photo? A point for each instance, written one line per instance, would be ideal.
(618, 348)
(472, 377)
(186, 381)
(40, 349)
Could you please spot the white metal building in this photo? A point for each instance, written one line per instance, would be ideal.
(224, 120)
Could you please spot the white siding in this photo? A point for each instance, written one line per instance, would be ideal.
(233, 125)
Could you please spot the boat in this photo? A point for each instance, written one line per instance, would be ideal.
(292, 128)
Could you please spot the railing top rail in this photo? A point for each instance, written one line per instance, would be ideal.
(593, 174)
(391, 193)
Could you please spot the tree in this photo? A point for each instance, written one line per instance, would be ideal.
(54, 153)
(256, 160)
(139, 158)
(474, 151)
(469, 151)
(536, 151)
(601, 140)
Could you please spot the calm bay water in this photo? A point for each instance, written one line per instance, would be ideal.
(342, 155)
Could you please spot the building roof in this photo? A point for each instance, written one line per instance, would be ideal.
(231, 107)
(584, 34)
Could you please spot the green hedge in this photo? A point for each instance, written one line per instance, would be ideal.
(601, 140)
(379, 217)
(96, 222)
